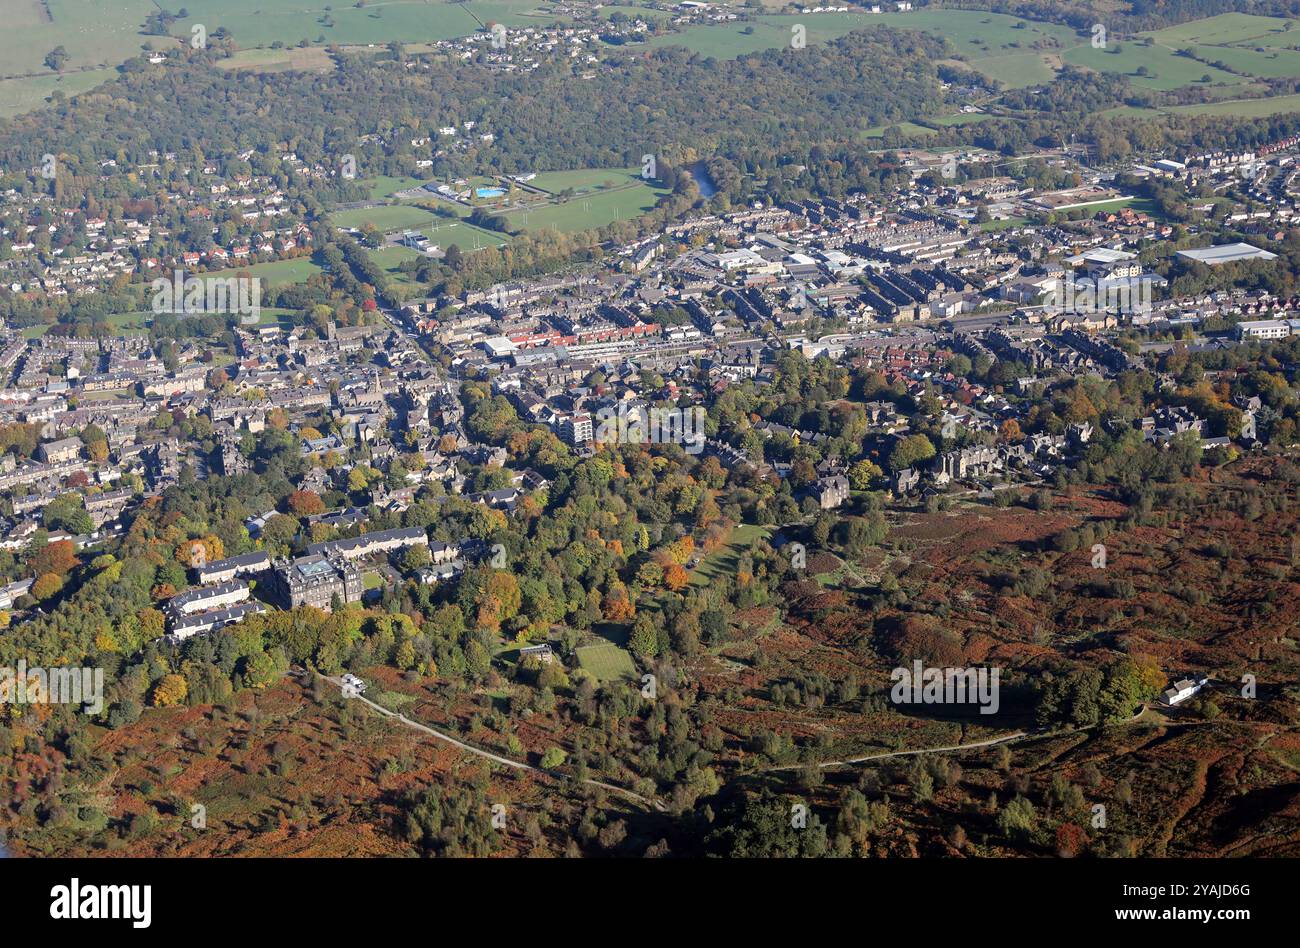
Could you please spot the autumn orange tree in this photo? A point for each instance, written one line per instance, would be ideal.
(170, 690)
(304, 503)
(617, 606)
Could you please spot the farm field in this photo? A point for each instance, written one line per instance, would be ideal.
(1017, 70)
(289, 58)
(1166, 69)
(1273, 64)
(260, 22)
(23, 95)
(100, 34)
(1019, 52)
(1012, 50)
(1225, 28)
(94, 33)
(981, 37)
(1239, 107)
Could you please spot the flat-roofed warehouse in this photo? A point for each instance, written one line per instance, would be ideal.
(1227, 253)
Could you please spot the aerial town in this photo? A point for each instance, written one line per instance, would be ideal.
(672, 430)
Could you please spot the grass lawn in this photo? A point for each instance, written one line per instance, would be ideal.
(606, 662)
(371, 580)
(962, 118)
(391, 259)
(1143, 205)
(131, 323)
(1007, 224)
(272, 315)
(905, 128)
(725, 559)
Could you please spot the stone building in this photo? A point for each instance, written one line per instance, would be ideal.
(315, 580)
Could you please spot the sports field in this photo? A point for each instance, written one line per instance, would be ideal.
(276, 273)
(600, 197)
(385, 217)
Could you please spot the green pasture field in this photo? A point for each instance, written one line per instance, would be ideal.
(262, 22)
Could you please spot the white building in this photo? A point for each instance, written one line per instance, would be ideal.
(1182, 690)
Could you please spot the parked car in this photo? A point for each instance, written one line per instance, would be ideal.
(353, 685)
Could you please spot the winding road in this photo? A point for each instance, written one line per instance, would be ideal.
(1004, 739)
